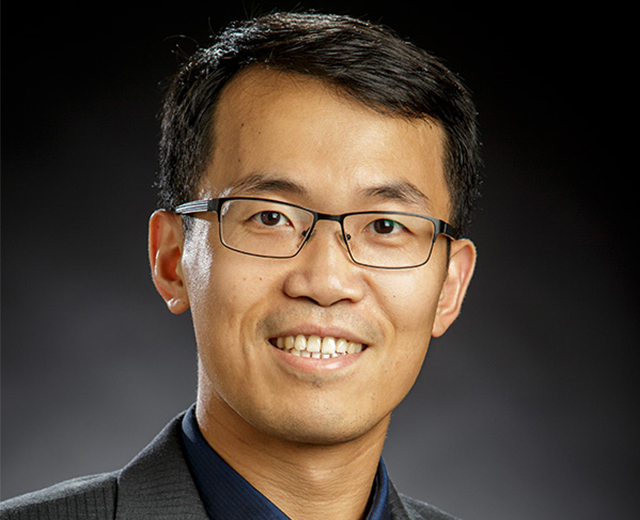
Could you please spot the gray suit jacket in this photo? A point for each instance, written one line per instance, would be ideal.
(156, 484)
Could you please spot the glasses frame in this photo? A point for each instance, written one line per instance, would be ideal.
(213, 205)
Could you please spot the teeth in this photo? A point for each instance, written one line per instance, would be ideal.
(317, 347)
(314, 343)
(328, 346)
(301, 343)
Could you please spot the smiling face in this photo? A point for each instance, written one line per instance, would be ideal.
(260, 322)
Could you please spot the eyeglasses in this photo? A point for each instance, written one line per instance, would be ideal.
(273, 229)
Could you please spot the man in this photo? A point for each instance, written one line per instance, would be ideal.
(316, 176)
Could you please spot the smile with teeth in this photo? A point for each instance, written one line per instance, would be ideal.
(316, 346)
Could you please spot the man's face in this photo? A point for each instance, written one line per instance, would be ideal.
(296, 140)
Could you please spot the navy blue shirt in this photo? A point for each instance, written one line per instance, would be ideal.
(228, 496)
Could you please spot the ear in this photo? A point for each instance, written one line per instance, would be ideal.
(166, 242)
(462, 261)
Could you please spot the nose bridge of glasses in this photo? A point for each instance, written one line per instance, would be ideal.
(339, 232)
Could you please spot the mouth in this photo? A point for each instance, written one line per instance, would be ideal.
(316, 346)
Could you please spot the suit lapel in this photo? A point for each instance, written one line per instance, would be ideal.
(157, 483)
(396, 506)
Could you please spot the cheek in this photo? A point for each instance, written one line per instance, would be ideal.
(198, 256)
(223, 308)
(222, 300)
(411, 303)
(228, 292)
(216, 277)
(411, 300)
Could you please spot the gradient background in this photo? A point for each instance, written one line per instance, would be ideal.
(524, 410)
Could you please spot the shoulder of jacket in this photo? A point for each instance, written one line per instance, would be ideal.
(85, 497)
(419, 510)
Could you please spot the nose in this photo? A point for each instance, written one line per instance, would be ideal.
(322, 271)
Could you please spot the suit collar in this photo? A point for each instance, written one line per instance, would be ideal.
(157, 483)
(396, 505)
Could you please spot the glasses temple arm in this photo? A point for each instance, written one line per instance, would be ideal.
(448, 230)
(196, 206)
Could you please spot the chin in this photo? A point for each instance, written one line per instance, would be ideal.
(322, 429)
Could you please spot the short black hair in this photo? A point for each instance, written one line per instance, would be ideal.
(366, 61)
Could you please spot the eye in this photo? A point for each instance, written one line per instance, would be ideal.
(272, 218)
(385, 226)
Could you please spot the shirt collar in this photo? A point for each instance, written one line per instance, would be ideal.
(227, 496)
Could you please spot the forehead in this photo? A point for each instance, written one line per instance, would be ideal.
(299, 131)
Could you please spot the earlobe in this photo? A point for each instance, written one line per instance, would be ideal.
(166, 242)
(462, 263)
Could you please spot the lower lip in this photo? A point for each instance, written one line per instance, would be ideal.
(313, 365)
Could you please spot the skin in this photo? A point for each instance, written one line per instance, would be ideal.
(309, 433)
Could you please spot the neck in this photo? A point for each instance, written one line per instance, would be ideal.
(304, 480)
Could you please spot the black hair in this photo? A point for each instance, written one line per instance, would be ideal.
(366, 61)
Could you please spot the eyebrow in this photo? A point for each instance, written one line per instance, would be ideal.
(399, 191)
(262, 182)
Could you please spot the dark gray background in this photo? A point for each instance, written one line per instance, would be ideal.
(524, 410)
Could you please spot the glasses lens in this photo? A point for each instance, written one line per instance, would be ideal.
(391, 240)
(263, 227)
